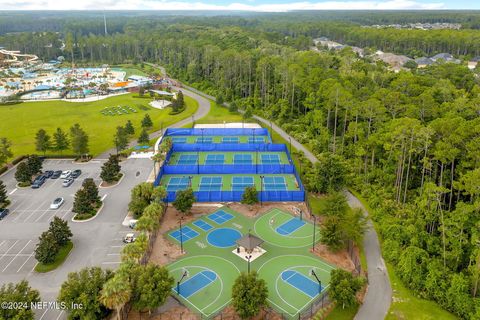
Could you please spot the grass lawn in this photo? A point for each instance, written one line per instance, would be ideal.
(61, 256)
(219, 114)
(342, 314)
(25, 119)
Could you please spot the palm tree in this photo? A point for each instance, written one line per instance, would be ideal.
(116, 293)
(157, 158)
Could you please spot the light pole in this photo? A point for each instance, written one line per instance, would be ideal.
(261, 190)
(256, 159)
(198, 162)
(181, 236)
(193, 121)
(190, 181)
(271, 129)
(202, 135)
(249, 257)
(314, 226)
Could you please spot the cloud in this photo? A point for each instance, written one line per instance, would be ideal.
(184, 5)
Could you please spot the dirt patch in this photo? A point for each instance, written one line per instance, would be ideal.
(172, 314)
(165, 251)
(340, 258)
(230, 314)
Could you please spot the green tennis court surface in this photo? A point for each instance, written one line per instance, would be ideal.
(227, 157)
(219, 139)
(206, 273)
(229, 182)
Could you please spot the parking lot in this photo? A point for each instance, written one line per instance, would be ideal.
(96, 243)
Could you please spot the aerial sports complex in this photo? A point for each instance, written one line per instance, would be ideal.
(219, 163)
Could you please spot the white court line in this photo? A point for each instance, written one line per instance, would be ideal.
(16, 256)
(9, 249)
(31, 255)
(43, 314)
(13, 191)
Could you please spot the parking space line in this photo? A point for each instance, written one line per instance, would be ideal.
(13, 245)
(113, 254)
(116, 246)
(60, 315)
(31, 214)
(13, 191)
(104, 196)
(31, 255)
(40, 216)
(1, 243)
(16, 256)
(112, 262)
(68, 211)
(43, 314)
(19, 215)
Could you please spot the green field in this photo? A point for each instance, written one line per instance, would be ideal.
(284, 253)
(290, 180)
(229, 156)
(22, 121)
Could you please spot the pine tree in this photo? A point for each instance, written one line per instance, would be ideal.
(4, 202)
(91, 190)
(111, 169)
(34, 164)
(129, 128)
(82, 204)
(60, 139)
(42, 141)
(22, 174)
(5, 152)
(180, 101)
(79, 140)
(47, 248)
(143, 138)
(60, 231)
(121, 138)
(147, 121)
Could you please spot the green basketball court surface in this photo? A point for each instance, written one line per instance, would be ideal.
(206, 273)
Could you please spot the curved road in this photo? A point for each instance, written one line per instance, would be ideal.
(379, 292)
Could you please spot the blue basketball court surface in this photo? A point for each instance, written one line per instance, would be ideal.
(290, 226)
(242, 159)
(210, 184)
(186, 234)
(240, 183)
(203, 225)
(196, 283)
(220, 217)
(177, 183)
(302, 283)
(213, 159)
(223, 237)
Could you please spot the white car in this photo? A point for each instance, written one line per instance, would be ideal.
(57, 203)
(129, 238)
(66, 174)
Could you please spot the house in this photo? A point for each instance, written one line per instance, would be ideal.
(424, 62)
(447, 57)
(139, 80)
(395, 61)
(472, 63)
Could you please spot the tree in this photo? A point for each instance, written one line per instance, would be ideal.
(79, 140)
(60, 230)
(47, 248)
(121, 138)
(180, 102)
(344, 287)
(142, 195)
(219, 101)
(34, 164)
(233, 107)
(153, 286)
(111, 169)
(5, 152)
(143, 138)
(116, 293)
(4, 202)
(23, 174)
(250, 196)
(249, 295)
(16, 292)
(141, 91)
(184, 200)
(248, 114)
(91, 190)
(82, 203)
(147, 121)
(83, 288)
(60, 139)
(42, 141)
(328, 174)
(129, 129)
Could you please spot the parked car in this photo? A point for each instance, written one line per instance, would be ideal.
(66, 174)
(38, 182)
(57, 203)
(76, 173)
(67, 182)
(129, 238)
(56, 174)
(3, 213)
(48, 174)
(132, 223)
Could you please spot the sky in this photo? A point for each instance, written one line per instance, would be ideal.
(243, 5)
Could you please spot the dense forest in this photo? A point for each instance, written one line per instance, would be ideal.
(411, 140)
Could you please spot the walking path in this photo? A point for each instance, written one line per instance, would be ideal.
(379, 292)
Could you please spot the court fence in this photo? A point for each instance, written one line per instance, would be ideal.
(254, 132)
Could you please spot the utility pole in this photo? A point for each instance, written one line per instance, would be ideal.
(105, 23)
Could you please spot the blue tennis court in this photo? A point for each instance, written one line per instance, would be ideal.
(186, 234)
(240, 183)
(187, 159)
(179, 140)
(213, 159)
(203, 225)
(274, 184)
(210, 184)
(302, 283)
(220, 217)
(257, 139)
(177, 183)
(290, 226)
(196, 283)
(230, 139)
(270, 159)
(242, 159)
(204, 140)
